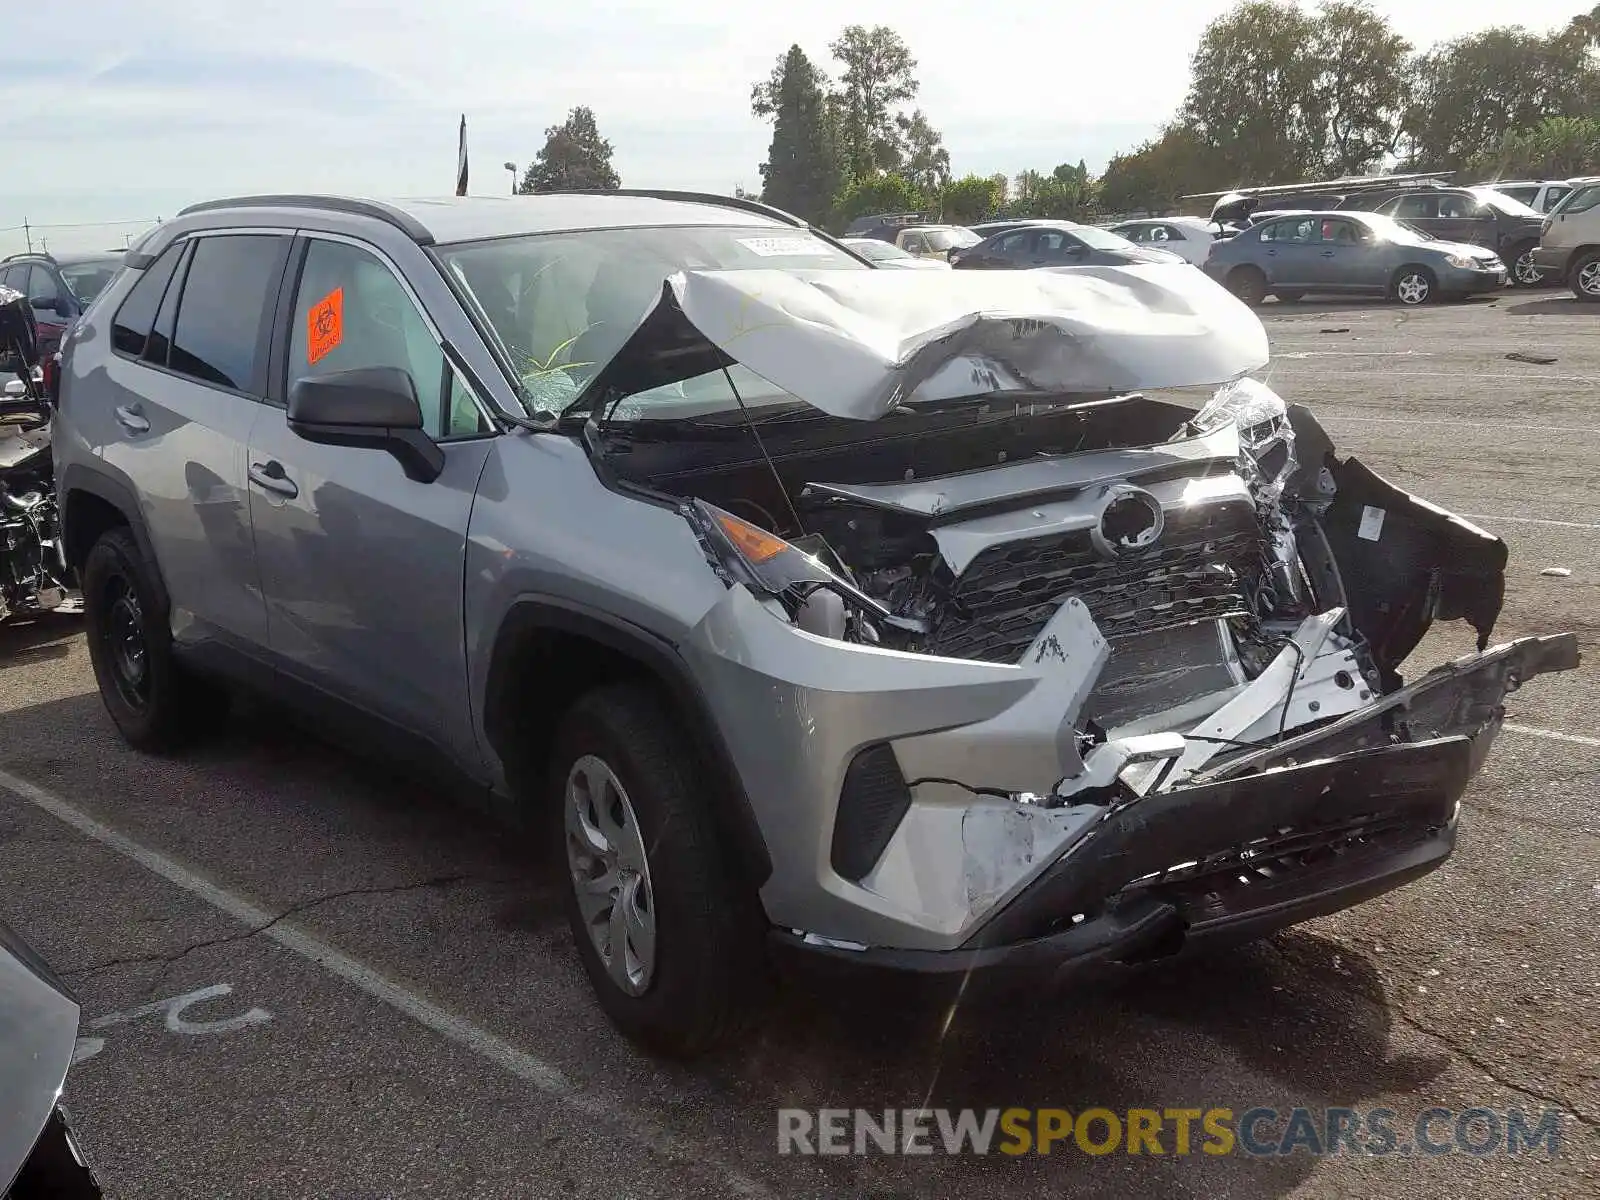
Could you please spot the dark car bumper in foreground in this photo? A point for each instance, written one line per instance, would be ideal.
(56, 1168)
(1327, 821)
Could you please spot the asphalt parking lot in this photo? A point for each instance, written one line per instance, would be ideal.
(302, 976)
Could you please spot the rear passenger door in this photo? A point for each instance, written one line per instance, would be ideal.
(188, 368)
(361, 566)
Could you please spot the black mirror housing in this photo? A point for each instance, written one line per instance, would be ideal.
(371, 408)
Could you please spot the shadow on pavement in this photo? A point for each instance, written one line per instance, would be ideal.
(1559, 306)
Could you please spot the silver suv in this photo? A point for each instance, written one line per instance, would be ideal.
(822, 615)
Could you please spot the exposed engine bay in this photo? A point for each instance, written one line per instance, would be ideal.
(1203, 557)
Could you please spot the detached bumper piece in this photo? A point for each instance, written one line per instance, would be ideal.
(1204, 866)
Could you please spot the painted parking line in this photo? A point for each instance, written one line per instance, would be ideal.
(1497, 426)
(544, 1076)
(1554, 735)
(1532, 521)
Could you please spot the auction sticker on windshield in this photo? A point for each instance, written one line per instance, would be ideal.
(786, 247)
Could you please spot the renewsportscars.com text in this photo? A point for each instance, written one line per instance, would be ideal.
(1169, 1131)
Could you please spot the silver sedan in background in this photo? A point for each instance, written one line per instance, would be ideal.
(1349, 253)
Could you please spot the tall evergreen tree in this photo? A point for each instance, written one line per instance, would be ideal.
(801, 174)
(575, 158)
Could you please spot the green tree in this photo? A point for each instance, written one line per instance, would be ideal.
(1555, 148)
(972, 198)
(882, 192)
(1158, 174)
(1585, 28)
(575, 158)
(878, 76)
(1251, 92)
(927, 162)
(801, 174)
(1360, 86)
(1471, 92)
(1066, 194)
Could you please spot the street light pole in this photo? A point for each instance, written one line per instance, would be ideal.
(512, 167)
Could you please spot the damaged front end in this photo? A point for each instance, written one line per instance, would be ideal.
(1061, 674)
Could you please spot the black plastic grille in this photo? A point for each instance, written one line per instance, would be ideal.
(1008, 592)
(872, 802)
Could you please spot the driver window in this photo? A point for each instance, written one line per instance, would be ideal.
(1459, 206)
(1134, 233)
(42, 287)
(351, 312)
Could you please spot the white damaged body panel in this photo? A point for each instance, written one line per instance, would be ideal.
(858, 343)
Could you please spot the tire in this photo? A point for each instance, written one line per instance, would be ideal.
(155, 703)
(1290, 297)
(1522, 270)
(700, 979)
(1248, 284)
(1585, 277)
(1413, 285)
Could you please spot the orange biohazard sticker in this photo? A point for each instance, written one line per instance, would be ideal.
(325, 325)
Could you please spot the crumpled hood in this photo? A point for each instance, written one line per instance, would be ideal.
(858, 343)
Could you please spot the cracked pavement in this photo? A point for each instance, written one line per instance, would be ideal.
(1476, 986)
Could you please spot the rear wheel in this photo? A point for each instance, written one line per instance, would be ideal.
(1414, 285)
(1248, 284)
(1524, 272)
(1586, 277)
(156, 704)
(670, 942)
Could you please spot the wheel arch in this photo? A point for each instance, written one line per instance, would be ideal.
(93, 502)
(547, 653)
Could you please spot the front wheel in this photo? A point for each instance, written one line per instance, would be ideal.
(1524, 272)
(156, 704)
(670, 943)
(1414, 285)
(1586, 277)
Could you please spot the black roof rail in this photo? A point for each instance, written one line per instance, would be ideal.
(44, 254)
(739, 202)
(388, 213)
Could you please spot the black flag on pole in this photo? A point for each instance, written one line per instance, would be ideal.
(461, 160)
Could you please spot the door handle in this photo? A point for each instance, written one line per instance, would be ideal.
(1327, 254)
(270, 475)
(131, 419)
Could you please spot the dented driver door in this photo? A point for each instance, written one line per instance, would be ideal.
(361, 566)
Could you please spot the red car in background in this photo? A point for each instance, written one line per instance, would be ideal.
(59, 287)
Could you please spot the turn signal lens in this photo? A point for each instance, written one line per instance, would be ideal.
(757, 545)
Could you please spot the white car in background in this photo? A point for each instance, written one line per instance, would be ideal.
(886, 254)
(1188, 237)
(1540, 195)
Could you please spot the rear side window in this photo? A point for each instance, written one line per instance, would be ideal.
(1524, 194)
(223, 312)
(130, 328)
(1581, 200)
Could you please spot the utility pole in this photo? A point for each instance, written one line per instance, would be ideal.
(28, 234)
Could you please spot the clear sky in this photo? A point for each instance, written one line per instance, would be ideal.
(128, 109)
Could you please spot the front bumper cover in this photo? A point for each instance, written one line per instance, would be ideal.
(1239, 855)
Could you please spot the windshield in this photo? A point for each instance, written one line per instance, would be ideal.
(878, 251)
(562, 304)
(1100, 239)
(952, 239)
(1504, 203)
(88, 279)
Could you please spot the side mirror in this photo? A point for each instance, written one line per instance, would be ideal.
(372, 408)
